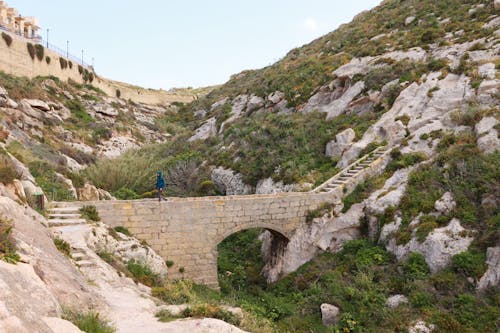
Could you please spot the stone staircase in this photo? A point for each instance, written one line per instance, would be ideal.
(64, 216)
(352, 171)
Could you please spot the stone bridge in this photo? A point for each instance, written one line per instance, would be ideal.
(187, 231)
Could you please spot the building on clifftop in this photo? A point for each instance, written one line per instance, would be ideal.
(12, 21)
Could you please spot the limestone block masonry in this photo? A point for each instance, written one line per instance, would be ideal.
(188, 230)
(15, 60)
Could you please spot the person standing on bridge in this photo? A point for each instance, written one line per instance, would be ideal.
(160, 185)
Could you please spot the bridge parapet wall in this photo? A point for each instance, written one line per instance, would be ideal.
(188, 230)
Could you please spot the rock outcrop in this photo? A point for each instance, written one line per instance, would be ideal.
(492, 275)
(229, 182)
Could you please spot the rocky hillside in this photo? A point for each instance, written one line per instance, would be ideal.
(415, 248)
(382, 78)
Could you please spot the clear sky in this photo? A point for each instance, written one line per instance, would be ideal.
(180, 43)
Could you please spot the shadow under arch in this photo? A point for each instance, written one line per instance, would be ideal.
(248, 256)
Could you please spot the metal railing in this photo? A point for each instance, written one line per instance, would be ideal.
(39, 40)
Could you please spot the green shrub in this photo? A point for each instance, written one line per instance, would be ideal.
(122, 230)
(118, 93)
(424, 229)
(7, 248)
(31, 50)
(63, 246)
(47, 60)
(78, 111)
(63, 63)
(470, 264)
(324, 208)
(89, 322)
(89, 212)
(80, 69)
(39, 51)
(174, 292)
(143, 274)
(7, 39)
(7, 170)
(210, 311)
(415, 267)
(126, 194)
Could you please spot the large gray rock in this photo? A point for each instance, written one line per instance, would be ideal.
(409, 20)
(487, 70)
(487, 141)
(88, 193)
(229, 182)
(496, 3)
(37, 104)
(421, 327)
(492, 275)
(329, 314)
(438, 248)
(255, 102)
(276, 97)
(338, 106)
(342, 141)
(445, 204)
(205, 131)
(268, 186)
(116, 146)
(396, 300)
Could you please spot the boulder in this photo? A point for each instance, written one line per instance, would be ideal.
(68, 183)
(445, 204)
(205, 131)
(229, 182)
(268, 186)
(106, 110)
(485, 125)
(487, 70)
(396, 300)
(329, 314)
(421, 327)
(88, 193)
(37, 104)
(488, 142)
(31, 189)
(492, 275)
(276, 97)
(438, 248)
(337, 107)
(254, 103)
(409, 20)
(219, 103)
(200, 114)
(3, 92)
(342, 141)
(117, 145)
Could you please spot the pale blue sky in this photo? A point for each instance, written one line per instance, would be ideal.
(179, 43)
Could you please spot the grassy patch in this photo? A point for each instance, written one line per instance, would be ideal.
(7, 248)
(90, 322)
(63, 246)
(89, 212)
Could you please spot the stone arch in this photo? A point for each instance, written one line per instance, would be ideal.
(268, 226)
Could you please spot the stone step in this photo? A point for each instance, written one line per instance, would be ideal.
(86, 263)
(65, 222)
(64, 215)
(63, 209)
